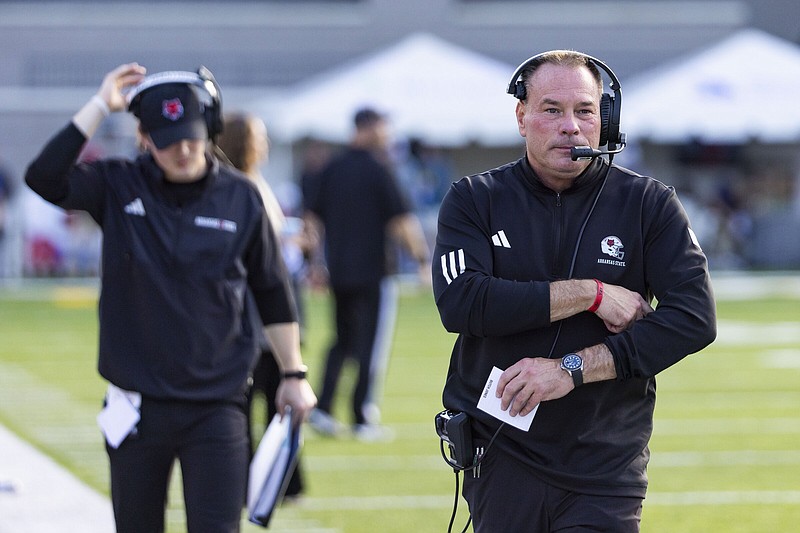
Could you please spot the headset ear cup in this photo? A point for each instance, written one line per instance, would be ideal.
(211, 122)
(605, 118)
(216, 120)
(214, 111)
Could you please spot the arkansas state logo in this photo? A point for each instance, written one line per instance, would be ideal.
(172, 109)
(612, 246)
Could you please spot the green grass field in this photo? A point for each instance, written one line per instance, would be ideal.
(726, 448)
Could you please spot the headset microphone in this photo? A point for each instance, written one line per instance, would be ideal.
(587, 152)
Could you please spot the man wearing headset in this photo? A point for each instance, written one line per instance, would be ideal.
(546, 268)
(187, 251)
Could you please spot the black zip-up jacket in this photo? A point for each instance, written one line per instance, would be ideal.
(502, 238)
(176, 269)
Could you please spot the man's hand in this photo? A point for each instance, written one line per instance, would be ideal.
(621, 307)
(533, 380)
(530, 381)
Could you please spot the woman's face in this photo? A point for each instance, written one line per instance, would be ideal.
(183, 161)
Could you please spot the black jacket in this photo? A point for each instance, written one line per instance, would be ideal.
(355, 197)
(176, 269)
(502, 238)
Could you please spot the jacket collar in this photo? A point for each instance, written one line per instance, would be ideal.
(591, 175)
(177, 193)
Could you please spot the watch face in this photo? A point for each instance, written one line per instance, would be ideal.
(572, 361)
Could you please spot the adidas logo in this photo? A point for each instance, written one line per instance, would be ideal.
(453, 265)
(500, 239)
(136, 207)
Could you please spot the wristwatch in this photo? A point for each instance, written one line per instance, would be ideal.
(572, 363)
(296, 374)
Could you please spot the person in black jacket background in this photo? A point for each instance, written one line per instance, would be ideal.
(357, 211)
(546, 268)
(188, 254)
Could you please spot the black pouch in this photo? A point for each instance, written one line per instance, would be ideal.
(454, 430)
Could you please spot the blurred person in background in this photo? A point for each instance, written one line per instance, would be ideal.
(245, 143)
(546, 269)
(357, 209)
(426, 173)
(316, 155)
(186, 242)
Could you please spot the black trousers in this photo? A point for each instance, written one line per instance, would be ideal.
(357, 313)
(507, 497)
(210, 440)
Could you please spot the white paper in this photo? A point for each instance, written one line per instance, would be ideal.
(120, 415)
(490, 403)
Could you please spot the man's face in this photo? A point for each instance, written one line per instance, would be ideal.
(562, 110)
(183, 161)
(380, 135)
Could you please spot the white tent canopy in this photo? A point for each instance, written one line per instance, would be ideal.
(741, 89)
(444, 94)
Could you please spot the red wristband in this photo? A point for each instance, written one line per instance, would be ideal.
(598, 298)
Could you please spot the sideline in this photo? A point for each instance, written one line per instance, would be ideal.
(38, 495)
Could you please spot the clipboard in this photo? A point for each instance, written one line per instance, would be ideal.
(271, 468)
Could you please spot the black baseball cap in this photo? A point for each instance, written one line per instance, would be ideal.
(172, 112)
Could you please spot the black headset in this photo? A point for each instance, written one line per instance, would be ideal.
(209, 94)
(610, 106)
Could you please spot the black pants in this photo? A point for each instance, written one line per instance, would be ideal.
(507, 497)
(209, 439)
(357, 313)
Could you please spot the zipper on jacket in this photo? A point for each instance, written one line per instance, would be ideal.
(558, 226)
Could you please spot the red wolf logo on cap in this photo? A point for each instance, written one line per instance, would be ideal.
(172, 109)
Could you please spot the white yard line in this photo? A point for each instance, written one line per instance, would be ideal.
(732, 497)
(441, 501)
(747, 286)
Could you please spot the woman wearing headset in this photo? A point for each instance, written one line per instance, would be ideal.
(183, 239)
